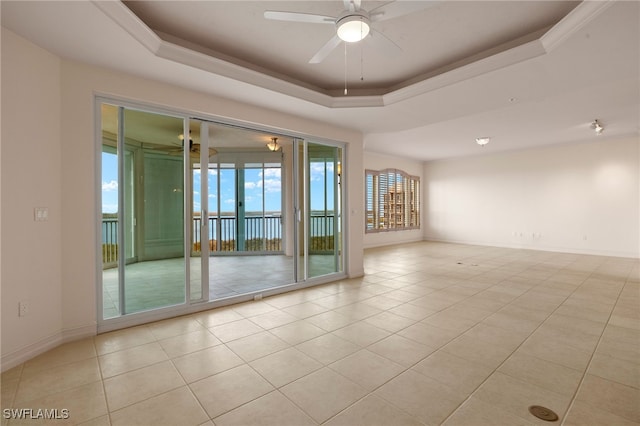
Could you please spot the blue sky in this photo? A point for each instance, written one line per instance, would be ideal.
(255, 180)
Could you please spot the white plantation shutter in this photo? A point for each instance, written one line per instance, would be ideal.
(392, 200)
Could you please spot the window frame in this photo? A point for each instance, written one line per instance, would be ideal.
(380, 197)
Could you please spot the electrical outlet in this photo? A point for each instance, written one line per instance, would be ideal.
(23, 308)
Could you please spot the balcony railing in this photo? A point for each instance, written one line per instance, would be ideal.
(321, 235)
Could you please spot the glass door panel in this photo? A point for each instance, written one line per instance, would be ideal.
(323, 207)
(143, 215)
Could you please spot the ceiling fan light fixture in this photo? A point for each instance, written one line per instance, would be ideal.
(597, 127)
(483, 141)
(273, 145)
(353, 28)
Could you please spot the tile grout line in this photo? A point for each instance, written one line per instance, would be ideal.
(584, 375)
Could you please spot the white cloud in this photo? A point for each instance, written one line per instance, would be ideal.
(251, 185)
(229, 201)
(272, 173)
(213, 172)
(110, 186)
(272, 185)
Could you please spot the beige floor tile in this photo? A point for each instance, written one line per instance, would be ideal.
(361, 333)
(176, 407)
(235, 330)
(475, 412)
(382, 302)
(330, 321)
(273, 319)
(323, 393)
(189, 342)
(449, 321)
(98, 421)
(367, 369)
(509, 321)
(205, 363)
(616, 370)
(285, 366)
(616, 398)
(372, 411)
(358, 311)
(138, 385)
(119, 362)
(225, 391)
(401, 350)
(174, 327)
(539, 372)
(123, 339)
(515, 396)
(390, 322)
(251, 309)
(478, 350)
(497, 335)
(81, 404)
(216, 317)
(36, 384)
(297, 332)
(328, 348)
(268, 410)
(63, 354)
(305, 310)
(577, 339)
(257, 345)
(401, 295)
(457, 373)
(426, 399)
(581, 325)
(407, 310)
(585, 414)
(429, 335)
(556, 351)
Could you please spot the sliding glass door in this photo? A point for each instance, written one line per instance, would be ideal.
(195, 211)
(142, 211)
(318, 210)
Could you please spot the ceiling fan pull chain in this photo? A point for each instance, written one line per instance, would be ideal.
(345, 68)
(361, 63)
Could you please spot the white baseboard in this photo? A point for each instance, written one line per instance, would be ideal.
(25, 353)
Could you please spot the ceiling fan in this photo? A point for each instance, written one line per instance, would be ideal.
(354, 23)
(194, 148)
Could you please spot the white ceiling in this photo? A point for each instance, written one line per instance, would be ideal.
(523, 73)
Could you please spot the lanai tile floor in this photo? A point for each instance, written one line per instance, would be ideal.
(433, 334)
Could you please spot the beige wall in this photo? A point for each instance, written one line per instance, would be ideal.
(48, 110)
(581, 198)
(31, 177)
(374, 161)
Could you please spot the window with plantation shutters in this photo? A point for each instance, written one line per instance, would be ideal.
(392, 200)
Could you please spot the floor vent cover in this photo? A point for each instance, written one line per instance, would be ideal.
(543, 413)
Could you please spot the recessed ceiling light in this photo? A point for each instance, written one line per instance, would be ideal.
(483, 141)
(597, 127)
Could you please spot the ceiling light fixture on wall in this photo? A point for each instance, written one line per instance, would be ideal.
(597, 127)
(273, 145)
(353, 27)
(482, 141)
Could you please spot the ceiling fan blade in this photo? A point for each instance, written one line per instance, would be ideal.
(384, 43)
(299, 17)
(325, 50)
(399, 8)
